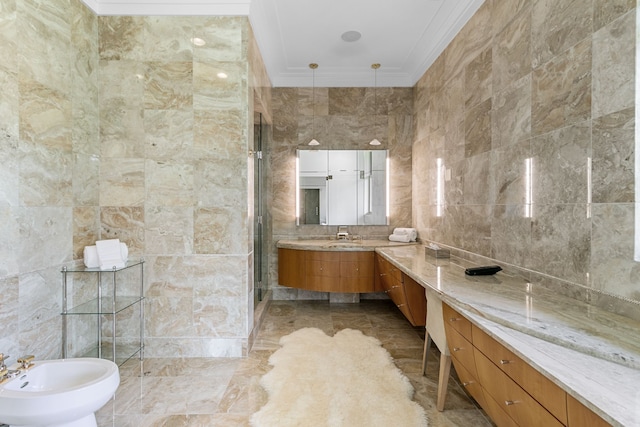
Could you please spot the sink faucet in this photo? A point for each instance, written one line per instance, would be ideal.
(342, 233)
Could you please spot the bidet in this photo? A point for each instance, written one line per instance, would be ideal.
(58, 393)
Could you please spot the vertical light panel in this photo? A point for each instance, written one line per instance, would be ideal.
(588, 187)
(297, 189)
(387, 186)
(439, 186)
(528, 188)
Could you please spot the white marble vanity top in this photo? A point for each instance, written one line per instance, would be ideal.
(338, 245)
(592, 354)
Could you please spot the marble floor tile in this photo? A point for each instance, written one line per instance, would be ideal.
(203, 392)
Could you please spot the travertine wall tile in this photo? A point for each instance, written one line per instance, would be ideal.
(561, 93)
(614, 67)
(613, 175)
(557, 25)
(551, 188)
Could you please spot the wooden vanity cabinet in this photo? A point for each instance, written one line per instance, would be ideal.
(406, 293)
(513, 392)
(326, 271)
(579, 415)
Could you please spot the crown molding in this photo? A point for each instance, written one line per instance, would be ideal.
(169, 7)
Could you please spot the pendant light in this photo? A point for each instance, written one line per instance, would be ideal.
(375, 67)
(313, 141)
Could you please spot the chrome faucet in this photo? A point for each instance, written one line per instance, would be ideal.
(342, 233)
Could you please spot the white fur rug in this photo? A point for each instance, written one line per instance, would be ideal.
(347, 380)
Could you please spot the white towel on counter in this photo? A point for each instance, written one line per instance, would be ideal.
(91, 259)
(411, 232)
(404, 238)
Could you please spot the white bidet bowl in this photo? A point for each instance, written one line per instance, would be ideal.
(59, 393)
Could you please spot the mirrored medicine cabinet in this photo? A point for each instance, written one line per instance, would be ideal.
(342, 187)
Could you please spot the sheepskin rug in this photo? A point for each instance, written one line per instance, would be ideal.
(347, 380)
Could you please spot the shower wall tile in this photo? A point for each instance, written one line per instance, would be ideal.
(613, 241)
(512, 52)
(613, 170)
(511, 114)
(45, 238)
(45, 176)
(9, 316)
(168, 86)
(478, 78)
(560, 165)
(121, 37)
(10, 171)
(49, 173)
(168, 230)
(169, 134)
(218, 134)
(606, 11)
(225, 39)
(477, 124)
(122, 182)
(169, 183)
(219, 230)
(167, 39)
(614, 66)
(126, 224)
(559, 25)
(561, 241)
(86, 225)
(219, 184)
(10, 230)
(561, 89)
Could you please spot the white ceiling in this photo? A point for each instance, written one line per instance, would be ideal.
(404, 36)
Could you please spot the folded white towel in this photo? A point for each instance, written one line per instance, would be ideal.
(400, 230)
(91, 255)
(411, 232)
(400, 238)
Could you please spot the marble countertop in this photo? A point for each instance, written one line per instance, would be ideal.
(592, 354)
(339, 245)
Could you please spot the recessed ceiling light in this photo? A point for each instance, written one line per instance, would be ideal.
(351, 36)
(222, 75)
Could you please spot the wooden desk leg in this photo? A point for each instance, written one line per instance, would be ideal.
(443, 380)
(427, 345)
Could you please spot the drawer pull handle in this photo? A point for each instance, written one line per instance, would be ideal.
(467, 383)
(510, 402)
(454, 319)
(504, 361)
(401, 305)
(383, 274)
(456, 349)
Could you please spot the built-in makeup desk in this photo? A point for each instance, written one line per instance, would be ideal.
(591, 354)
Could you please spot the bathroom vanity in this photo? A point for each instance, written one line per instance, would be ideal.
(348, 266)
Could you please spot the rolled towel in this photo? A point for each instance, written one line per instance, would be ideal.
(411, 232)
(91, 257)
(399, 238)
(109, 254)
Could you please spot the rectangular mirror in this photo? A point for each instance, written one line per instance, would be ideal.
(341, 187)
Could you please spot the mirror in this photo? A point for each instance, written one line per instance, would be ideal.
(342, 187)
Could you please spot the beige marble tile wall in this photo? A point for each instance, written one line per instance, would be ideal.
(175, 173)
(549, 84)
(345, 118)
(50, 151)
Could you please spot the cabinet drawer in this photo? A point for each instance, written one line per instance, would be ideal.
(552, 397)
(355, 284)
(579, 415)
(515, 402)
(469, 382)
(462, 351)
(385, 268)
(291, 271)
(358, 267)
(496, 413)
(397, 295)
(322, 255)
(456, 321)
(323, 268)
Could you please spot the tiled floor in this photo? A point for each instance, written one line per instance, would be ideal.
(225, 392)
